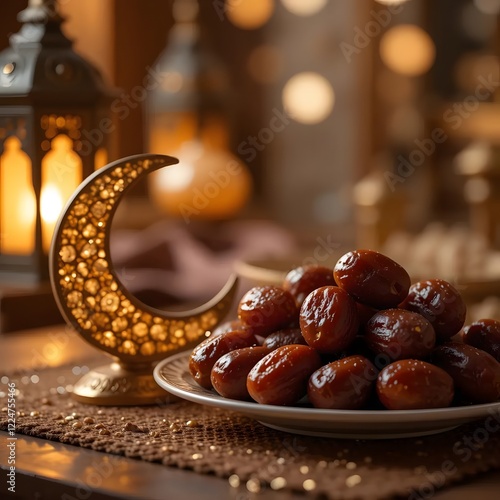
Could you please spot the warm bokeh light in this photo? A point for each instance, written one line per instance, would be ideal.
(407, 49)
(265, 64)
(61, 175)
(51, 203)
(308, 97)
(472, 160)
(208, 184)
(249, 14)
(302, 8)
(178, 177)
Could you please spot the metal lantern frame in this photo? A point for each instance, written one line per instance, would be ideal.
(47, 90)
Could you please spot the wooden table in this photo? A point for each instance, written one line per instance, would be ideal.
(47, 470)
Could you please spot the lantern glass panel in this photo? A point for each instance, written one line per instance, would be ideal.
(61, 175)
(17, 201)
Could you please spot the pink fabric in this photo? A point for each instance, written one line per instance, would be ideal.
(191, 264)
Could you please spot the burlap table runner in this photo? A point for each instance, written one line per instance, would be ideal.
(251, 456)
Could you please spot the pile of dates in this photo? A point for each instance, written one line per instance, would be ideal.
(358, 337)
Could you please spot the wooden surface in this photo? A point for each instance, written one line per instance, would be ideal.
(49, 470)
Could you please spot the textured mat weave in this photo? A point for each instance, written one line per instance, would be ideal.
(251, 456)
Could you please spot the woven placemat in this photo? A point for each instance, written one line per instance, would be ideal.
(251, 456)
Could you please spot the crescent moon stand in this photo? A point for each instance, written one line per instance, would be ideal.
(94, 301)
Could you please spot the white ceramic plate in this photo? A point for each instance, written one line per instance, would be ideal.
(172, 374)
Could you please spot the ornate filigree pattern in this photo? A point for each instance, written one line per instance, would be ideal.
(10, 125)
(90, 294)
(52, 125)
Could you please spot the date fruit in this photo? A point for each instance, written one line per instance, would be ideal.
(365, 313)
(476, 373)
(284, 337)
(229, 373)
(301, 281)
(266, 309)
(440, 303)
(281, 377)
(412, 384)
(328, 319)
(484, 334)
(345, 384)
(228, 326)
(372, 278)
(400, 334)
(206, 353)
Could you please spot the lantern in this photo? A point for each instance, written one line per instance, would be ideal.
(187, 116)
(54, 131)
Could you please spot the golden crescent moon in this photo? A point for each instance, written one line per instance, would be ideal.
(90, 295)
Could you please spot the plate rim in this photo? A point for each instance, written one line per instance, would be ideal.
(318, 414)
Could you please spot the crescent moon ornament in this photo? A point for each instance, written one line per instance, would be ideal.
(92, 299)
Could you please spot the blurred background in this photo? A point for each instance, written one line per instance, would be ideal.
(304, 129)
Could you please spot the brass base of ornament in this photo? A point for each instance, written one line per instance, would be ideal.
(119, 385)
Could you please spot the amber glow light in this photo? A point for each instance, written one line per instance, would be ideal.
(208, 183)
(61, 175)
(17, 201)
(408, 50)
(249, 14)
(51, 204)
(188, 116)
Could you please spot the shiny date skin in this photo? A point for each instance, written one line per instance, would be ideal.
(328, 319)
(476, 373)
(372, 278)
(484, 334)
(281, 377)
(345, 384)
(206, 353)
(301, 281)
(439, 302)
(400, 334)
(229, 373)
(228, 326)
(284, 337)
(412, 384)
(266, 309)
